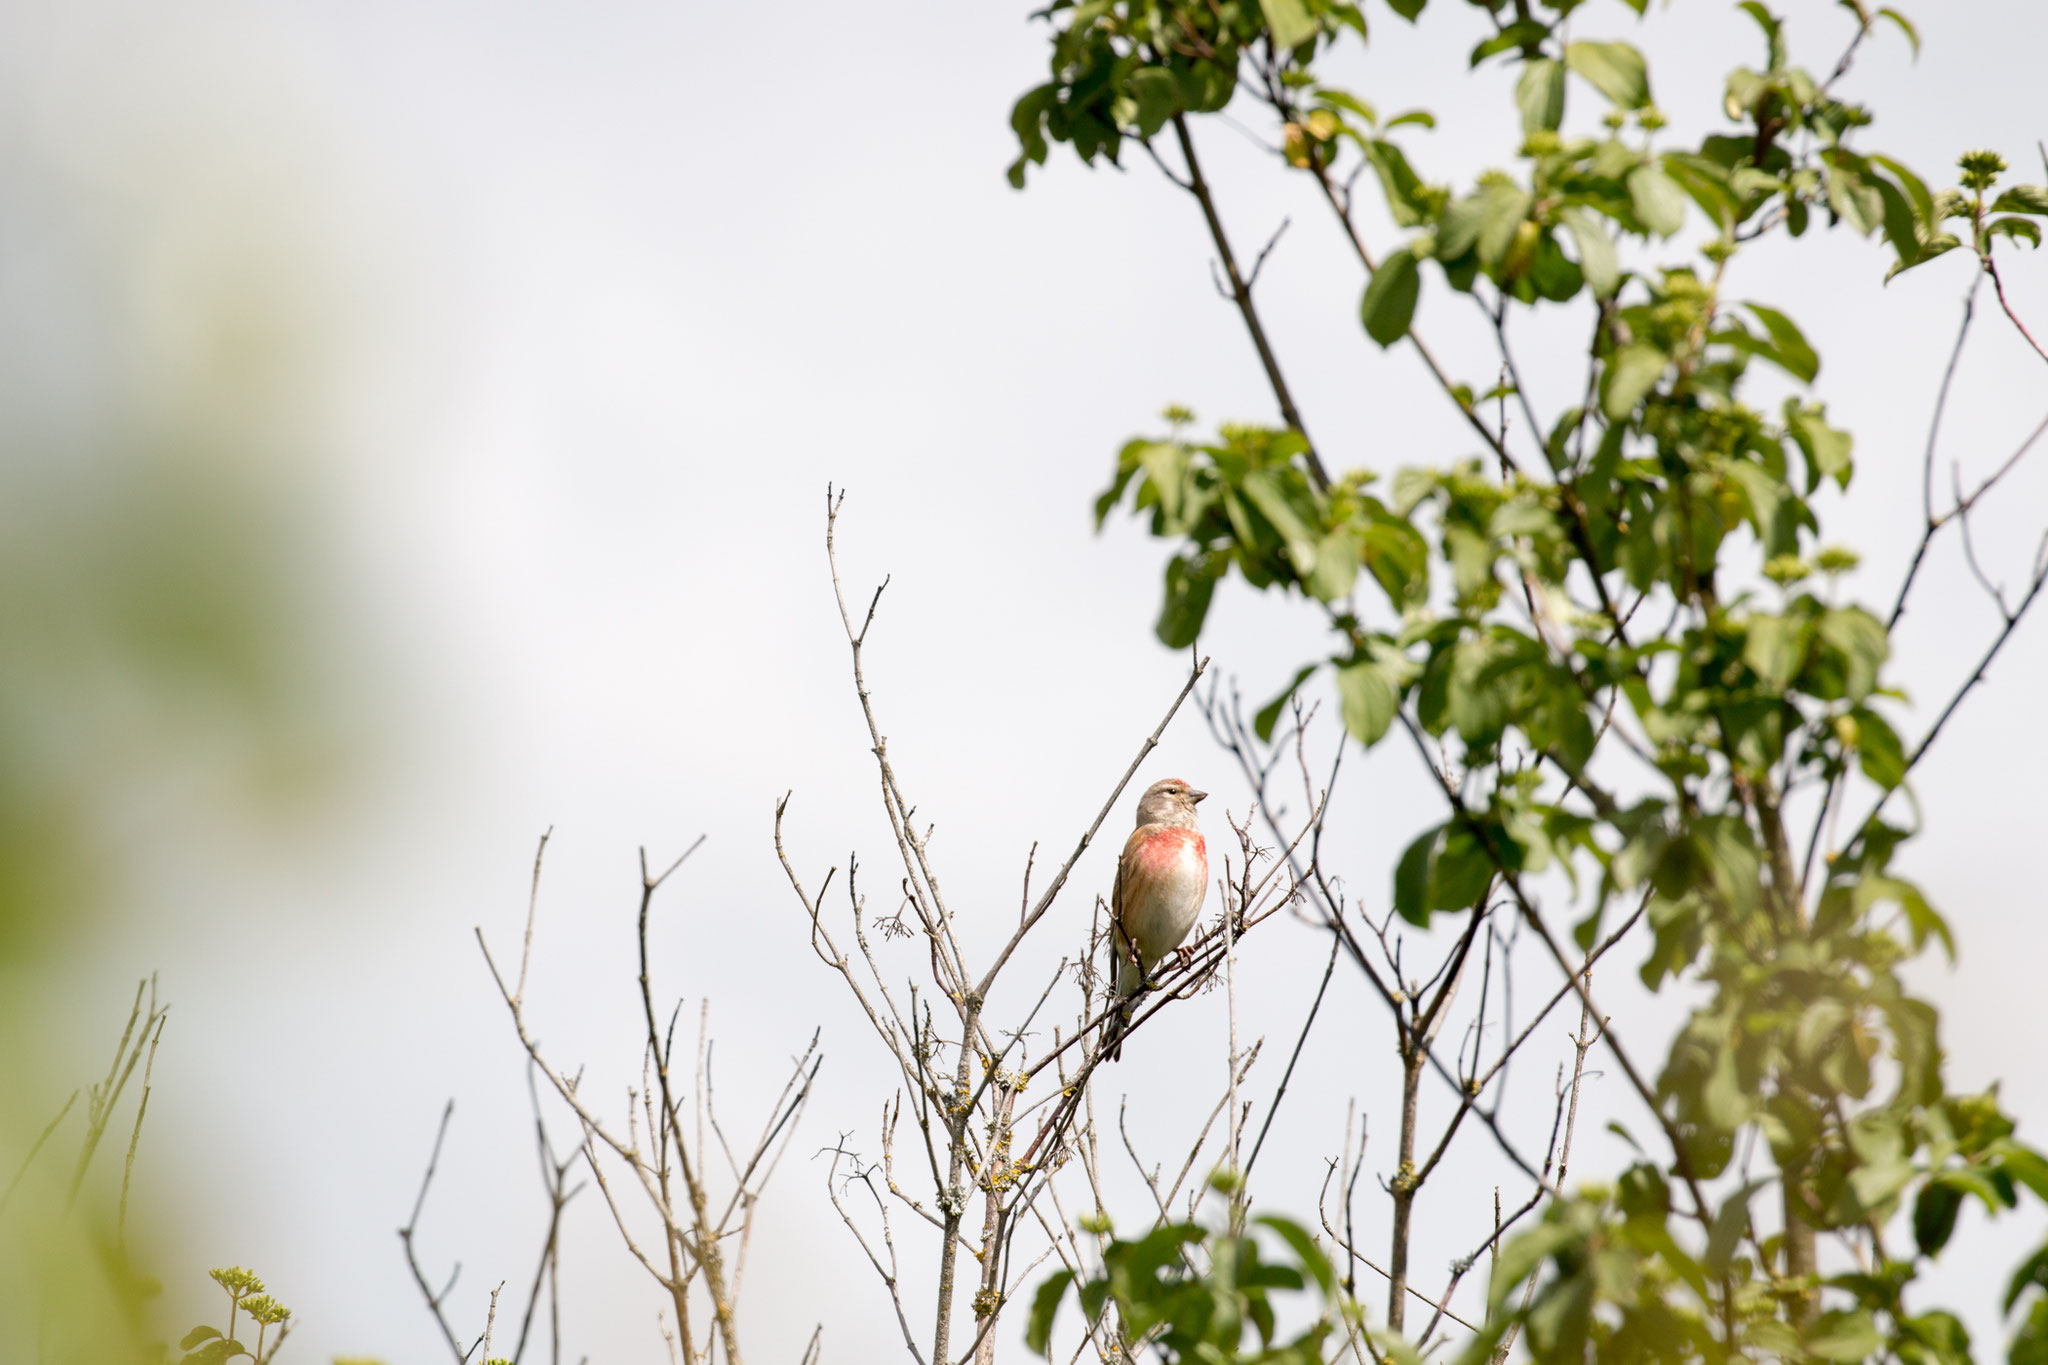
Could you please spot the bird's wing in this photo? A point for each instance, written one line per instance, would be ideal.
(1119, 938)
(1116, 885)
(1127, 871)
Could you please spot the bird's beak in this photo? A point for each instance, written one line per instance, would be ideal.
(1197, 797)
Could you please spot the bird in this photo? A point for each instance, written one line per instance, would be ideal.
(1162, 877)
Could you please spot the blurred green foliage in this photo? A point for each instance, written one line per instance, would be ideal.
(158, 646)
(1206, 1314)
(170, 637)
(1616, 638)
(70, 1275)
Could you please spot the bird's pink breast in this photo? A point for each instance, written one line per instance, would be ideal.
(1166, 877)
(1164, 853)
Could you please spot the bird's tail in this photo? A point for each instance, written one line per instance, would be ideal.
(1113, 1030)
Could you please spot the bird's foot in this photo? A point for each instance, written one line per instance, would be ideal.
(1183, 958)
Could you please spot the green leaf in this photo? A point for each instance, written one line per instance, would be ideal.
(1411, 877)
(1166, 465)
(1045, 1305)
(1775, 648)
(1854, 198)
(1918, 199)
(2025, 1165)
(1631, 373)
(1864, 645)
(1616, 70)
(1407, 200)
(2030, 1343)
(2032, 1274)
(1370, 690)
(1458, 228)
(197, 1335)
(1826, 448)
(1446, 869)
(1938, 244)
(1290, 22)
(1027, 118)
(1344, 99)
(2019, 229)
(1305, 1249)
(1094, 1295)
(1269, 714)
(1407, 9)
(1520, 1258)
(1729, 1224)
(1157, 95)
(1773, 34)
(1523, 33)
(1189, 585)
(1879, 751)
(1847, 1335)
(1539, 94)
(1393, 1347)
(1936, 1338)
(1878, 1183)
(1934, 1216)
(1503, 210)
(2022, 199)
(1912, 34)
(1658, 201)
(215, 1352)
(1597, 258)
(1389, 304)
(1282, 496)
(1792, 349)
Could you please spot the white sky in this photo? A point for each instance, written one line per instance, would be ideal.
(601, 298)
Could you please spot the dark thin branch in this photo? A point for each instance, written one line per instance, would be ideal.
(2012, 622)
(1965, 504)
(405, 1235)
(1314, 1009)
(1242, 294)
(1059, 880)
(1252, 280)
(554, 1173)
(1998, 287)
(1165, 170)
(1991, 590)
(1932, 523)
(1681, 1156)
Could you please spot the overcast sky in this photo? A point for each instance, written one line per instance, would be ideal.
(591, 303)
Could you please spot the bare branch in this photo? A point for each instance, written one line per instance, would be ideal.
(1242, 295)
(405, 1236)
(135, 1137)
(1059, 880)
(29, 1160)
(1315, 1008)
(532, 908)
(1932, 524)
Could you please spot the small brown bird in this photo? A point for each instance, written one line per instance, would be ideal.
(1161, 880)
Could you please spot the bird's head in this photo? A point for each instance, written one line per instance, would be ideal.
(1171, 802)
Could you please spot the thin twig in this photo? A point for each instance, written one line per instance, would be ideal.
(1241, 293)
(135, 1137)
(29, 1160)
(1314, 1009)
(405, 1236)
